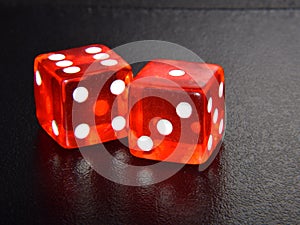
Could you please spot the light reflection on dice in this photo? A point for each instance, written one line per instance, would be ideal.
(56, 91)
(177, 111)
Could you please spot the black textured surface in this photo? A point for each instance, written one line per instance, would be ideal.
(168, 4)
(255, 177)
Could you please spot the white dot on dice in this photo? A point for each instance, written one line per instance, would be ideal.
(80, 94)
(56, 57)
(176, 73)
(221, 89)
(118, 123)
(38, 78)
(93, 50)
(72, 69)
(215, 116)
(145, 143)
(64, 63)
(164, 127)
(117, 87)
(209, 143)
(109, 62)
(55, 128)
(209, 105)
(82, 131)
(221, 126)
(101, 56)
(184, 110)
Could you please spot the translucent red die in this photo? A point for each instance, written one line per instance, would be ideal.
(177, 111)
(90, 79)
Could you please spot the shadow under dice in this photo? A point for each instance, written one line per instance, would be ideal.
(87, 83)
(177, 111)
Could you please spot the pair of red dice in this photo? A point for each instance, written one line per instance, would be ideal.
(171, 110)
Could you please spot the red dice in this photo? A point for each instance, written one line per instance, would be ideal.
(177, 111)
(176, 108)
(102, 76)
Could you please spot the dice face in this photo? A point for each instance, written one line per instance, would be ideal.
(90, 80)
(177, 111)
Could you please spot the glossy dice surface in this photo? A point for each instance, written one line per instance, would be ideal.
(177, 111)
(90, 80)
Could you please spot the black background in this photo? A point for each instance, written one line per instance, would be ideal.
(255, 177)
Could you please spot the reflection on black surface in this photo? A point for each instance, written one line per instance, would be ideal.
(69, 188)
